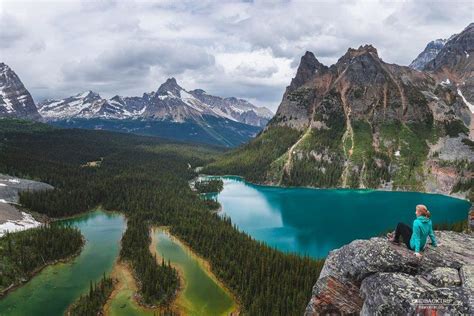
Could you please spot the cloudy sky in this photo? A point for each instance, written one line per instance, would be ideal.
(248, 49)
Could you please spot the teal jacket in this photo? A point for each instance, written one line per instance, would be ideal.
(422, 228)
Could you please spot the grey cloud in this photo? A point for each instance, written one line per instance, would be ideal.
(245, 69)
(132, 64)
(37, 46)
(128, 47)
(11, 30)
(270, 95)
(94, 5)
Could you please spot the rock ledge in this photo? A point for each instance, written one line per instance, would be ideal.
(375, 277)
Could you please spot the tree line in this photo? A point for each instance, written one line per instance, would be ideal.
(209, 186)
(91, 303)
(22, 253)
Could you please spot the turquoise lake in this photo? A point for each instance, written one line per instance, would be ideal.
(315, 221)
(52, 290)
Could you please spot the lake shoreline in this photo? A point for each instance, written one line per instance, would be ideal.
(301, 221)
(182, 280)
(125, 280)
(204, 264)
(36, 271)
(60, 285)
(272, 185)
(98, 208)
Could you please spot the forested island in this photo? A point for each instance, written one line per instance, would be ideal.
(23, 254)
(209, 186)
(147, 179)
(92, 302)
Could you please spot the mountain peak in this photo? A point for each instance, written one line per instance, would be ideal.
(309, 56)
(5, 69)
(15, 100)
(428, 54)
(367, 52)
(171, 80)
(116, 98)
(365, 49)
(170, 85)
(455, 54)
(309, 66)
(89, 94)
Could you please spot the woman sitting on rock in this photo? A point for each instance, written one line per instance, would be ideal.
(415, 238)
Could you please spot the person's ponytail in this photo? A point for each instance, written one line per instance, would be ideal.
(423, 210)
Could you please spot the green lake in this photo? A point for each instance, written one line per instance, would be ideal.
(201, 294)
(56, 287)
(315, 221)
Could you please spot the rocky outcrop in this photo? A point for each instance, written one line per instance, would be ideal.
(375, 277)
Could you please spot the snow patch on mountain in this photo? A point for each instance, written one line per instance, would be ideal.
(469, 105)
(169, 102)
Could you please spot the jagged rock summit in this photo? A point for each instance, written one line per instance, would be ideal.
(386, 279)
(15, 100)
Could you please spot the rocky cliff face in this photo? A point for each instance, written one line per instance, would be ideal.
(364, 123)
(428, 54)
(386, 279)
(15, 100)
(455, 62)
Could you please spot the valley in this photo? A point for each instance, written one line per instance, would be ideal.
(102, 211)
(160, 195)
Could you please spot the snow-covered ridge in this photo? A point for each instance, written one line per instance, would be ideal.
(169, 102)
(15, 100)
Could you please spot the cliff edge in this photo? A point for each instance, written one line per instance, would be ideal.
(375, 277)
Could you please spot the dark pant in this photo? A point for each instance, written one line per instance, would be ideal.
(405, 232)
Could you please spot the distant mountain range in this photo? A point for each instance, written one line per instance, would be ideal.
(171, 112)
(170, 102)
(364, 123)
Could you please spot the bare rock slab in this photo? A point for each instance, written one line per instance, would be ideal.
(375, 277)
